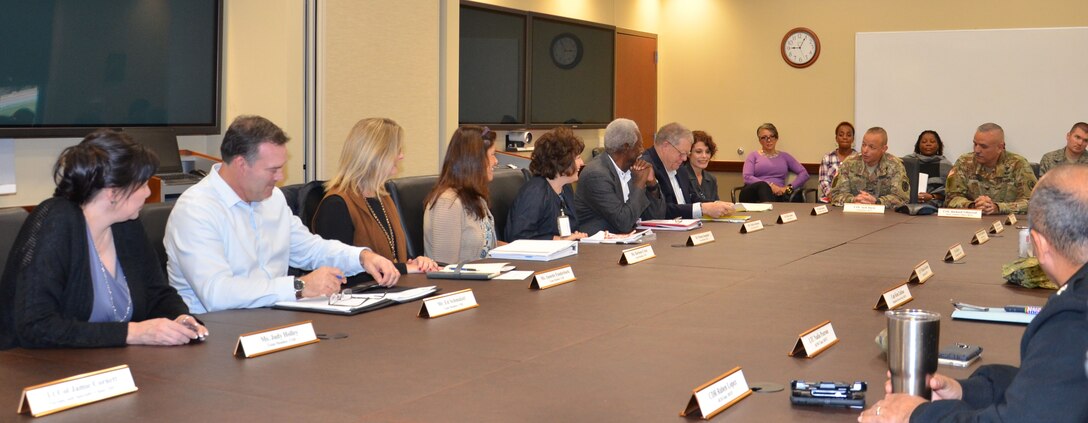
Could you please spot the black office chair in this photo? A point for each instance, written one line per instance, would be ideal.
(11, 220)
(528, 175)
(1035, 168)
(503, 190)
(309, 197)
(153, 217)
(408, 195)
(910, 164)
(290, 193)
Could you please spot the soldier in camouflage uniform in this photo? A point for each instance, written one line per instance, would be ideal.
(1073, 152)
(885, 184)
(990, 179)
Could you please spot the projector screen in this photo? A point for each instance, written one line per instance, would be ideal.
(1032, 82)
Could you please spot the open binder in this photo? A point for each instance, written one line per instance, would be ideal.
(359, 303)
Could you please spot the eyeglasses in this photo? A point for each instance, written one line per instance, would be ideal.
(682, 154)
(768, 137)
(346, 299)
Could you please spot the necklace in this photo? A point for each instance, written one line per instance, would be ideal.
(383, 224)
(110, 280)
(770, 155)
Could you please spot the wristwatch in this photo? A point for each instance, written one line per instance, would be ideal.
(299, 286)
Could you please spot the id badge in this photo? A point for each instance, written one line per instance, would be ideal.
(564, 225)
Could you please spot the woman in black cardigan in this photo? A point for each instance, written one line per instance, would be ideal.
(82, 272)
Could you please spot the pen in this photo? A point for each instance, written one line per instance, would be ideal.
(1023, 309)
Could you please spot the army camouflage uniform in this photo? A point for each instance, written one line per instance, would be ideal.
(889, 184)
(1057, 157)
(1008, 184)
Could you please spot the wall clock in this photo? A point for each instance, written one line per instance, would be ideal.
(566, 50)
(800, 47)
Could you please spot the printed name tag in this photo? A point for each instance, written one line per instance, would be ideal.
(863, 208)
(963, 213)
(814, 341)
(448, 304)
(717, 395)
(752, 227)
(922, 272)
(636, 254)
(72, 392)
(268, 341)
(1011, 220)
(980, 237)
(997, 227)
(549, 278)
(894, 298)
(818, 210)
(954, 253)
(787, 217)
(696, 240)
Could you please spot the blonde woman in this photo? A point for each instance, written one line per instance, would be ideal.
(356, 209)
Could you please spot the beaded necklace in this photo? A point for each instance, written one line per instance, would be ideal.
(383, 224)
(110, 280)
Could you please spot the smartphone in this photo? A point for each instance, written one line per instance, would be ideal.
(959, 355)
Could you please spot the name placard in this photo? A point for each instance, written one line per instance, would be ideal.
(787, 217)
(818, 210)
(814, 341)
(961, 213)
(448, 304)
(980, 237)
(921, 273)
(552, 277)
(636, 254)
(715, 396)
(699, 239)
(863, 208)
(893, 298)
(997, 227)
(1010, 220)
(751, 227)
(268, 341)
(72, 392)
(954, 253)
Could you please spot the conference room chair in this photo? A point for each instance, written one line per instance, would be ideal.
(290, 193)
(528, 175)
(803, 195)
(503, 190)
(11, 220)
(408, 194)
(911, 164)
(154, 216)
(1035, 168)
(309, 197)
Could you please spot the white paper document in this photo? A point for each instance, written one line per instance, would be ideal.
(357, 302)
(923, 182)
(754, 207)
(605, 237)
(670, 224)
(517, 275)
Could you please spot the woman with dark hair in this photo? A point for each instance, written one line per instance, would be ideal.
(765, 171)
(704, 183)
(544, 207)
(457, 224)
(829, 166)
(81, 272)
(929, 152)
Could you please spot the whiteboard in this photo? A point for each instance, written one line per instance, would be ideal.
(1032, 82)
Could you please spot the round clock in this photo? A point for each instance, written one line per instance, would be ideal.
(566, 50)
(800, 47)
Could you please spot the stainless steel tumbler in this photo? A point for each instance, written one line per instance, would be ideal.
(913, 337)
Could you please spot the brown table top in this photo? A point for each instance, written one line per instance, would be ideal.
(622, 343)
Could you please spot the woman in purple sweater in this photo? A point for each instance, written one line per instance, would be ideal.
(765, 171)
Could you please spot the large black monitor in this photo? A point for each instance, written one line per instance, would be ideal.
(69, 66)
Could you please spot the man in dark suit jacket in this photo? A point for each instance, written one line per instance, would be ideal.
(672, 145)
(616, 188)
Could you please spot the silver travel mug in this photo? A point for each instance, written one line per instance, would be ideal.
(913, 337)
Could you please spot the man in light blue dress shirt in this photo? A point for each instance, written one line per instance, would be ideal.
(231, 237)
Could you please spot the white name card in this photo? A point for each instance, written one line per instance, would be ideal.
(787, 217)
(699, 239)
(997, 227)
(553, 277)
(751, 227)
(922, 272)
(268, 341)
(894, 298)
(980, 237)
(448, 304)
(954, 253)
(961, 213)
(814, 341)
(818, 210)
(717, 395)
(72, 392)
(636, 254)
(863, 208)
(1011, 220)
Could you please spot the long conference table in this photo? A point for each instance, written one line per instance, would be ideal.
(621, 343)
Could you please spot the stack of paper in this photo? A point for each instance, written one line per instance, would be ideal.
(670, 224)
(732, 218)
(605, 237)
(478, 271)
(535, 250)
(753, 207)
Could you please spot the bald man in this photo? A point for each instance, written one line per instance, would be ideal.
(1050, 384)
(989, 178)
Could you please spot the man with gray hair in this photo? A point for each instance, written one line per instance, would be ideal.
(672, 146)
(1049, 385)
(616, 188)
(989, 178)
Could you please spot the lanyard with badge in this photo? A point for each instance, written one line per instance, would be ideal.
(563, 220)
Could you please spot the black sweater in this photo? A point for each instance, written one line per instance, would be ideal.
(46, 294)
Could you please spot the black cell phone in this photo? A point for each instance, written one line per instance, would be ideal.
(828, 394)
(959, 355)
